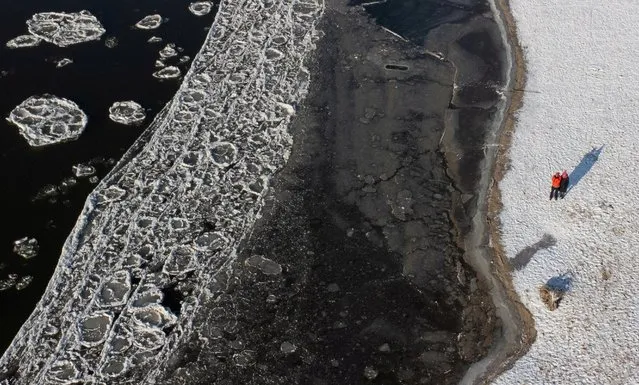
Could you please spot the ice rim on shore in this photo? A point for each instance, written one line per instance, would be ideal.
(579, 113)
(175, 207)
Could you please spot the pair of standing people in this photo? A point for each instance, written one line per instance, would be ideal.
(560, 184)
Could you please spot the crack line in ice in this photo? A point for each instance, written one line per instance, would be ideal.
(171, 213)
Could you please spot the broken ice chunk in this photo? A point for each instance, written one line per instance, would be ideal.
(111, 42)
(24, 41)
(154, 39)
(81, 170)
(265, 265)
(64, 29)
(200, 8)
(26, 247)
(127, 112)
(63, 62)
(168, 51)
(149, 22)
(23, 282)
(48, 119)
(169, 72)
(153, 315)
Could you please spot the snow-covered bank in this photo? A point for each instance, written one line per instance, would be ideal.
(581, 95)
(167, 220)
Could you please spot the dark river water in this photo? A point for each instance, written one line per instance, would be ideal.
(98, 76)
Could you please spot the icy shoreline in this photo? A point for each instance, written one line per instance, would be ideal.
(174, 209)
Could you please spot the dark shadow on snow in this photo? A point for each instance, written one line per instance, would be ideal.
(524, 256)
(584, 166)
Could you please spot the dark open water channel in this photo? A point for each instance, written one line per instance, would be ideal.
(97, 77)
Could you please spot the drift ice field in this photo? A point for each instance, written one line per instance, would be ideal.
(175, 207)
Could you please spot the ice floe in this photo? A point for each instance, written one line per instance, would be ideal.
(26, 247)
(48, 119)
(201, 8)
(168, 51)
(64, 29)
(82, 170)
(111, 42)
(63, 62)
(154, 39)
(23, 41)
(165, 223)
(127, 112)
(149, 22)
(170, 72)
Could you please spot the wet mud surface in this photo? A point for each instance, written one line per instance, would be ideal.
(353, 274)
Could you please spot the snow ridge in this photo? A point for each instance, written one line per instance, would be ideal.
(173, 211)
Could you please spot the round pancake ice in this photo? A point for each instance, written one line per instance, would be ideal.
(64, 29)
(127, 112)
(201, 8)
(48, 119)
(149, 22)
(23, 41)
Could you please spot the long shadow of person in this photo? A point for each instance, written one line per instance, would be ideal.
(584, 166)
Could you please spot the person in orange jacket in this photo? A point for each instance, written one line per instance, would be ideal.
(556, 184)
(563, 186)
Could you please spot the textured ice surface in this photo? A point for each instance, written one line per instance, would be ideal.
(48, 119)
(165, 223)
(24, 41)
(127, 112)
(149, 22)
(26, 247)
(201, 8)
(170, 72)
(64, 29)
(63, 62)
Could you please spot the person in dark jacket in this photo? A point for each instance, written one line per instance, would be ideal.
(563, 184)
(556, 183)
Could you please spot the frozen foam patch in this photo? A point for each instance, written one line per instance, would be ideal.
(201, 8)
(23, 41)
(149, 22)
(64, 29)
(170, 72)
(48, 119)
(127, 112)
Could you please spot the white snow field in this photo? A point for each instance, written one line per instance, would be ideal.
(582, 94)
(176, 205)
